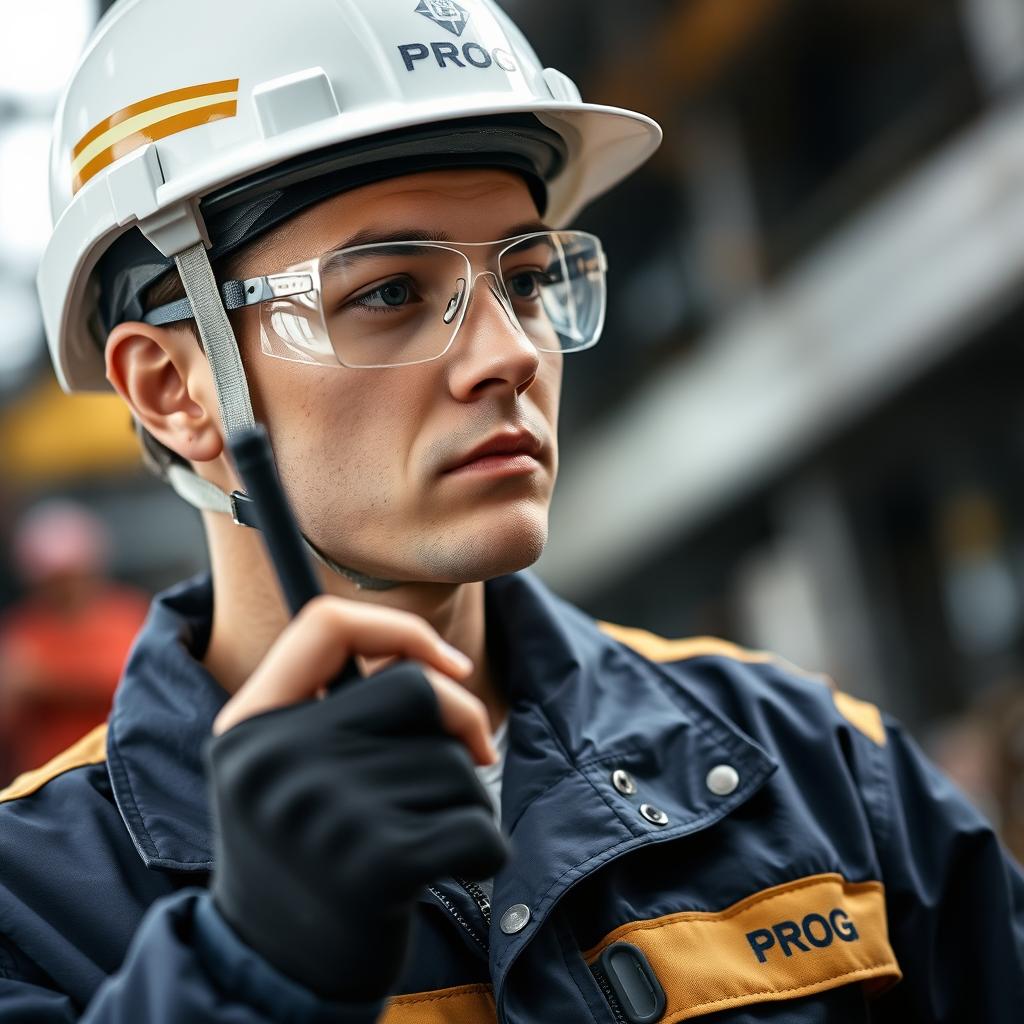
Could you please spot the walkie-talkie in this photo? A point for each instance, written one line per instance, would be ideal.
(254, 460)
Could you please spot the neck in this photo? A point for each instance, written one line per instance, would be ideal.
(249, 613)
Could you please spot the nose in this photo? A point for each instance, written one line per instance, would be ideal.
(491, 350)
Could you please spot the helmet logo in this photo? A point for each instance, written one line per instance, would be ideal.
(445, 13)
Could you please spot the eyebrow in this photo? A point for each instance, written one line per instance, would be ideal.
(371, 236)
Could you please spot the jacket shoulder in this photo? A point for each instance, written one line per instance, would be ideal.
(752, 675)
(62, 807)
(72, 886)
(91, 749)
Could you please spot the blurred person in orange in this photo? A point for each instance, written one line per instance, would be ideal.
(63, 645)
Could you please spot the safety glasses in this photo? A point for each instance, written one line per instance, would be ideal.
(399, 303)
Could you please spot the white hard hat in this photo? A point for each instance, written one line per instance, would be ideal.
(181, 108)
(190, 126)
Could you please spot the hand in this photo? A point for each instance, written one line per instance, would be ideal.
(333, 814)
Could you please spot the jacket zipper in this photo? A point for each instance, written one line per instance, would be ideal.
(601, 978)
(480, 898)
(482, 942)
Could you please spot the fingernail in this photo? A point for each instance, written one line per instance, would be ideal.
(458, 656)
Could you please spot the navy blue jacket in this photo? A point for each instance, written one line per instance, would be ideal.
(769, 849)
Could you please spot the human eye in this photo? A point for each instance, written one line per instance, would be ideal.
(526, 283)
(390, 296)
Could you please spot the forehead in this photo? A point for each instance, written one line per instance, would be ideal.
(464, 205)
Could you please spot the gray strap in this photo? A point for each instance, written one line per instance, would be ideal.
(218, 338)
(206, 496)
(232, 394)
(199, 493)
(232, 294)
(361, 581)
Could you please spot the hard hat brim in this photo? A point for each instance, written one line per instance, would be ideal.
(605, 145)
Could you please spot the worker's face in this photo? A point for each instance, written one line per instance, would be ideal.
(366, 454)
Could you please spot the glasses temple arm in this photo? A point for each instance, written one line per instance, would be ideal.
(235, 295)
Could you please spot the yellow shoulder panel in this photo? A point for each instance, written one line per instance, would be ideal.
(90, 749)
(657, 648)
(863, 716)
(465, 1004)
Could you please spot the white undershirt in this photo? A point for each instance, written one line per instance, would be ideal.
(491, 775)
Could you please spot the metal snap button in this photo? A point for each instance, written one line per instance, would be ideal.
(654, 815)
(623, 782)
(515, 919)
(723, 779)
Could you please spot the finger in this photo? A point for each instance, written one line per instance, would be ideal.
(464, 716)
(315, 645)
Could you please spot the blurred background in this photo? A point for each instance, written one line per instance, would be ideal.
(804, 429)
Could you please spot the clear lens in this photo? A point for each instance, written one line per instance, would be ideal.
(392, 304)
(404, 302)
(556, 284)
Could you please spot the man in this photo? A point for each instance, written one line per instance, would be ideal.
(686, 829)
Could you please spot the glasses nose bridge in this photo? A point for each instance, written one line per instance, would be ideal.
(497, 289)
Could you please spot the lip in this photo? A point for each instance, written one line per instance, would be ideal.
(509, 451)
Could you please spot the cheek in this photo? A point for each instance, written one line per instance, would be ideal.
(547, 391)
(327, 420)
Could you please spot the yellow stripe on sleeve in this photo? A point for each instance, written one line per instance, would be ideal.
(90, 749)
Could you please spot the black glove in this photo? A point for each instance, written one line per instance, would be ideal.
(332, 816)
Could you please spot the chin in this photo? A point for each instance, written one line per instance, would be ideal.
(483, 550)
(469, 549)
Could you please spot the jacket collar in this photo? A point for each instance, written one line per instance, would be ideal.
(161, 718)
(584, 705)
(581, 706)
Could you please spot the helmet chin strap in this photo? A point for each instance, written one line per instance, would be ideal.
(232, 389)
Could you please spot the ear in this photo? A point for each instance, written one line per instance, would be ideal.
(163, 376)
